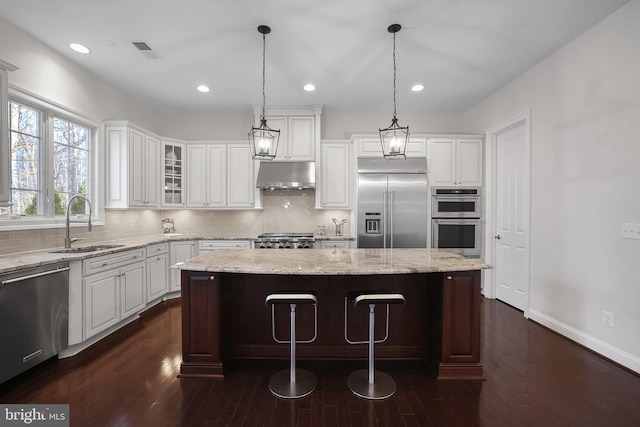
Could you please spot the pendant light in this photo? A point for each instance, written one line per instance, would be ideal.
(395, 138)
(263, 140)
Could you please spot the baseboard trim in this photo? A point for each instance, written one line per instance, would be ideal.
(601, 348)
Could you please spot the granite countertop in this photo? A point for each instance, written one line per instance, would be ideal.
(332, 261)
(24, 260)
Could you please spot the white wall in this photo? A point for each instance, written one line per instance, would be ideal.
(55, 78)
(585, 141)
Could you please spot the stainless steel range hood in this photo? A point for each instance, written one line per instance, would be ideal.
(286, 175)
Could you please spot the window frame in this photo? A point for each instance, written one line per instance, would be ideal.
(50, 110)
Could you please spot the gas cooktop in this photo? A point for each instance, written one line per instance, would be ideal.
(286, 236)
(285, 241)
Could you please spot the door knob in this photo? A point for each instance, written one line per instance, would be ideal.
(498, 237)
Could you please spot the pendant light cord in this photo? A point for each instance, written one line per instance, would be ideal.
(264, 49)
(394, 75)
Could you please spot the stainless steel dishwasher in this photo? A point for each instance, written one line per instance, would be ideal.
(34, 317)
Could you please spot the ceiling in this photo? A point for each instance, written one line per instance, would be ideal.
(462, 51)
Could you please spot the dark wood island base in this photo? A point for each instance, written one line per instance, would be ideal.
(224, 317)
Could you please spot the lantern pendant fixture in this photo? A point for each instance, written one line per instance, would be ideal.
(395, 138)
(263, 141)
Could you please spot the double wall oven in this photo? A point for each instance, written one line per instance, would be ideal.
(455, 220)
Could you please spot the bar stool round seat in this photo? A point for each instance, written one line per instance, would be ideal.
(292, 383)
(370, 383)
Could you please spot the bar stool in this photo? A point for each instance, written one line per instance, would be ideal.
(292, 383)
(369, 383)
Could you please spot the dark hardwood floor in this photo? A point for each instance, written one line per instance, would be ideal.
(533, 378)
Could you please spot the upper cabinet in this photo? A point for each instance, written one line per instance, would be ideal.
(5, 159)
(334, 186)
(455, 161)
(299, 130)
(173, 161)
(132, 166)
(370, 146)
(219, 176)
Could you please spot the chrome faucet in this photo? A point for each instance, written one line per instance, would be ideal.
(68, 240)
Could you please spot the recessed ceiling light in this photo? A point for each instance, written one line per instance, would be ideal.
(417, 88)
(203, 89)
(309, 87)
(79, 48)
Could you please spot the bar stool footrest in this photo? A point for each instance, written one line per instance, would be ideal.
(280, 384)
(384, 386)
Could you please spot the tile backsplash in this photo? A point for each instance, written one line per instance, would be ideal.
(284, 211)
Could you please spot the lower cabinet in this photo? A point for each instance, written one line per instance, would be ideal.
(344, 244)
(209, 245)
(157, 271)
(179, 252)
(113, 295)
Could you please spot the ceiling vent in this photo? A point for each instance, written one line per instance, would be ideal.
(145, 49)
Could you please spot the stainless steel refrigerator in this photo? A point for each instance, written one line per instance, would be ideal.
(392, 203)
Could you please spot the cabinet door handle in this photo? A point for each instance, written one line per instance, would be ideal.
(498, 237)
(212, 278)
(449, 277)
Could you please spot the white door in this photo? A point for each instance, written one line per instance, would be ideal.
(511, 265)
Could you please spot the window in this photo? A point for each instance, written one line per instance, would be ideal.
(51, 155)
(70, 164)
(25, 128)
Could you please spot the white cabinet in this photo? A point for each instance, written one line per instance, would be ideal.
(179, 252)
(206, 176)
(132, 166)
(100, 303)
(370, 146)
(333, 189)
(5, 159)
(455, 161)
(173, 167)
(219, 176)
(157, 271)
(114, 289)
(241, 183)
(209, 245)
(343, 244)
(132, 289)
(299, 130)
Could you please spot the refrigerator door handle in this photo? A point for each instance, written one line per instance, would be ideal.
(391, 206)
(385, 209)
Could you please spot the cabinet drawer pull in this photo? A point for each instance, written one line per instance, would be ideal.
(212, 278)
(449, 277)
(104, 264)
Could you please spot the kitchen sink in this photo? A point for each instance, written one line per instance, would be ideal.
(84, 249)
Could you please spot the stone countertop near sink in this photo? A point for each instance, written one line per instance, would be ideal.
(332, 262)
(23, 260)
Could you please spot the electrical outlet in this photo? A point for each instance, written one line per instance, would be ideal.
(607, 318)
(630, 230)
(627, 230)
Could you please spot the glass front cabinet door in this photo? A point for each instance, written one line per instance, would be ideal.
(173, 174)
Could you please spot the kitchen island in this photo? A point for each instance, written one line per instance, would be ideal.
(224, 316)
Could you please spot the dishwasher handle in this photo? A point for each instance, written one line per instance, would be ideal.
(31, 276)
